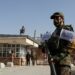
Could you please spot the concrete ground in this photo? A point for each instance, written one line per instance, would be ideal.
(28, 70)
(25, 70)
(73, 70)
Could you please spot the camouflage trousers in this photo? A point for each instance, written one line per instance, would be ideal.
(63, 69)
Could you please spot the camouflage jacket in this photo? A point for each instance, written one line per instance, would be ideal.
(59, 47)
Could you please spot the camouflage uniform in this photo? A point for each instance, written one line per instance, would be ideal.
(59, 49)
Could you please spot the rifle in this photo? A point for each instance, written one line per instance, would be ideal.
(50, 61)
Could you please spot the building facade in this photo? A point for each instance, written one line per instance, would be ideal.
(13, 48)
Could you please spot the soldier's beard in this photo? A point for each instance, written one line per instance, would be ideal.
(58, 25)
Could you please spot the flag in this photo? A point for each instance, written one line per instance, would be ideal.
(67, 35)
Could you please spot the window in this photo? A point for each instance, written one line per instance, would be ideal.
(17, 49)
(9, 45)
(1, 45)
(17, 52)
(0, 52)
(17, 45)
(4, 52)
(13, 45)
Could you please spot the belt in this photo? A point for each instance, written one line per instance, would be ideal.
(65, 66)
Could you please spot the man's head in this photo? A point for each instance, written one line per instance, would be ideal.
(58, 18)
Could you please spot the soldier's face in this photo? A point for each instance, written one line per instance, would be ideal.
(58, 21)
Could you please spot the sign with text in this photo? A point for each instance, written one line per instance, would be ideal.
(67, 35)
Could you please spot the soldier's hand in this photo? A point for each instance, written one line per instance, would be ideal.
(56, 59)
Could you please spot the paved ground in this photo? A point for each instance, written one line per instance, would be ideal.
(73, 70)
(25, 70)
(28, 70)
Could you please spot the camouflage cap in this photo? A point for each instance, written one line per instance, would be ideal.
(57, 14)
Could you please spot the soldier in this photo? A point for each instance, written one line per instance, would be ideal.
(59, 48)
(22, 30)
(33, 58)
(27, 58)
